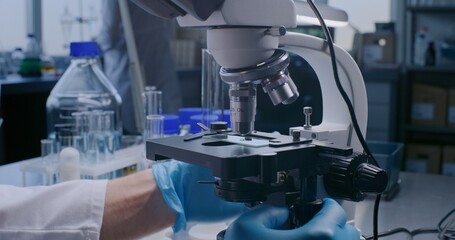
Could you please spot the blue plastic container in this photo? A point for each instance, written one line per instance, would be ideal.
(186, 113)
(389, 156)
(171, 124)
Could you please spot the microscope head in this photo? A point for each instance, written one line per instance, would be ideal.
(240, 40)
(249, 56)
(272, 75)
(243, 37)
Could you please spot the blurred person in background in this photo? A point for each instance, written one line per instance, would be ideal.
(152, 36)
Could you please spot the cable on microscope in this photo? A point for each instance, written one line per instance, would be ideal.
(391, 232)
(444, 229)
(355, 124)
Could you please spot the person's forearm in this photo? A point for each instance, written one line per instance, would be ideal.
(134, 207)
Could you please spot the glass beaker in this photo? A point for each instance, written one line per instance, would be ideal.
(47, 151)
(152, 104)
(154, 126)
(49, 161)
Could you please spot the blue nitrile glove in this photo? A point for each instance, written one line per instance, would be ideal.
(190, 200)
(263, 222)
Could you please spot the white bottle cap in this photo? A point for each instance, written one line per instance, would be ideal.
(69, 164)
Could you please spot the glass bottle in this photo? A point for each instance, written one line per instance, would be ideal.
(16, 59)
(31, 64)
(83, 88)
(430, 55)
(420, 45)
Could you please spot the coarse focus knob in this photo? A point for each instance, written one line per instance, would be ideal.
(351, 178)
(370, 179)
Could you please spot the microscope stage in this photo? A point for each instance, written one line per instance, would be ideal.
(231, 156)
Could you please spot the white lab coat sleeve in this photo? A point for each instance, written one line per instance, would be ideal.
(70, 210)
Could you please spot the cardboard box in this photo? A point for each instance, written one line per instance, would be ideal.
(448, 160)
(451, 109)
(372, 49)
(423, 158)
(429, 105)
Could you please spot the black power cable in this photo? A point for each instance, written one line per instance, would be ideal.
(392, 232)
(343, 93)
(444, 229)
(355, 124)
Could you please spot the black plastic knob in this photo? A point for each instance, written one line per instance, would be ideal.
(218, 126)
(352, 178)
(370, 179)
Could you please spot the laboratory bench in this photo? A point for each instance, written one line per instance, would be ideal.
(15, 84)
(23, 109)
(422, 201)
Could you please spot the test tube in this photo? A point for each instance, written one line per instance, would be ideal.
(149, 88)
(154, 126)
(80, 134)
(99, 124)
(48, 157)
(109, 132)
(92, 131)
(65, 137)
(152, 102)
(152, 105)
(47, 151)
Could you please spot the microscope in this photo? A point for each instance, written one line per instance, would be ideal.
(249, 39)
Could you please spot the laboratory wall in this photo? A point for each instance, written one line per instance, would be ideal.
(55, 12)
(12, 24)
(81, 19)
(362, 17)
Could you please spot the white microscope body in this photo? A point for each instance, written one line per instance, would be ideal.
(241, 34)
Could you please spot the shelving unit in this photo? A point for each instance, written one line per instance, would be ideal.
(435, 76)
(432, 69)
(440, 20)
(428, 9)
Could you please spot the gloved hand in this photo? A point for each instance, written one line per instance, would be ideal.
(263, 222)
(190, 200)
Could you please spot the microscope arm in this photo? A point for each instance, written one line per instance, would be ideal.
(336, 123)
